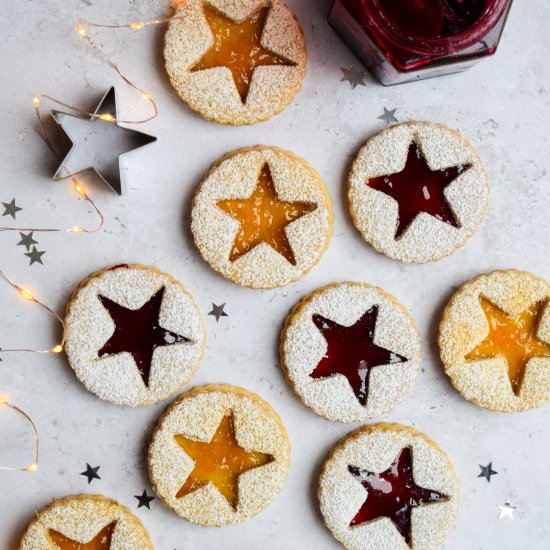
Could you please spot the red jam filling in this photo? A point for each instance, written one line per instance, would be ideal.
(433, 18)
(352, 353)
(418, 188)
(137, 331)
(392, 494)
(102, 541)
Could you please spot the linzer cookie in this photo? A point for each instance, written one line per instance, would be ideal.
(235, 62)
(133, 334)
(85, 522)
(388, 486)
(261, 217)
(417, 191)
(219, 455)
(494, 339)
(350, 351)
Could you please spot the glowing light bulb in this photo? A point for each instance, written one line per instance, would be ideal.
(32, 468)
(57, 349)
(76, 229)
(36, 101)
(3, 400)
(26, 293)
(79, 189)
(107, 116)
(81, 30)
(146, 96)
(137, 26)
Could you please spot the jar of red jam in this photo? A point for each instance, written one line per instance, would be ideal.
(405, 40)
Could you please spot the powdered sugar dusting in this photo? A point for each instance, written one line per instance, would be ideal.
(426, 239)
(373, 448)
(464, 326)
(303, 346)
(89, 326)
(81, 518)
(212, 93)
(197, 415)
(236, 176)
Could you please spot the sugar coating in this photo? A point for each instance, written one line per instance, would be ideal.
(197, 415)
(89, 326)
(303, 346)
(464, 326)
(212, 93)
(81, 518)
(234, 177)
(374, 448)
(374, 213)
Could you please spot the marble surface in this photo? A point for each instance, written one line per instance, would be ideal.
(502, 106)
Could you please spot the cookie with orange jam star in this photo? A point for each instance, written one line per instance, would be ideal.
(235, 62)
(85, 522)
(388, 486)
(219, 455)
(494, 339)
(261, 217)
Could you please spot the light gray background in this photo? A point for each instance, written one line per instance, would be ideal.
(502, 106)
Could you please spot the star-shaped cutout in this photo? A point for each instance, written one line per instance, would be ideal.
(90, 153)
(102, 541)
(506, 511)
(417, 188)
(11, 209)
(219, 462)
(514, 338)
(27, 240)
(238, 47)
(35, 255)
(137, 331)
(393, 494)
(144, 500)
(487, 471)
(263, 218)
(351, 352)
(91, 473)
(218, 311)
(353, 76)
(388, 116)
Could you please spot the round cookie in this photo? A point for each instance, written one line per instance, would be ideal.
(377, 471)
(417, 191)
(219, 455)
(350, 351)
(85, 519)
(494, 340)
(261, 217)
(134, 335)
(235, 62)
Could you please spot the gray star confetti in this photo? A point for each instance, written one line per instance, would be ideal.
(353, 76)
(389, 116)
(218, 312)
(144, 500)
(91, 473)
(11, 209)
(35, 255)
(26, 240)
(507, 511)
(487, 471)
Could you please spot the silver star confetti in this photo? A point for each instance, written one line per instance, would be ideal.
(389, 116)
(507, 511)
(353, 76)
(107, 165)
(26, 240)
(218, 312)
(35, 255)
(487, 471)
(11, 209)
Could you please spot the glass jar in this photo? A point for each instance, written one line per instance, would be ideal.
(405, 40)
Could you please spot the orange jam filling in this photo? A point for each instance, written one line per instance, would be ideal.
(102, 541)
(513, 338)
(237, 46)
(263, 218)
(220, 462)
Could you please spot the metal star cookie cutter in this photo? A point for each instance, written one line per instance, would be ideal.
(110, 171)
